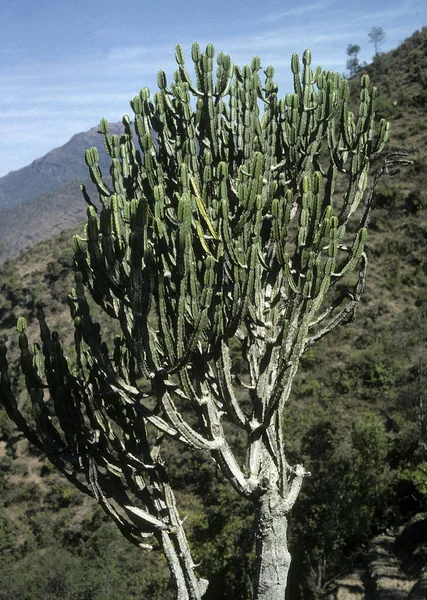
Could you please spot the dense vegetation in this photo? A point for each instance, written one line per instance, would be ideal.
(357, 416)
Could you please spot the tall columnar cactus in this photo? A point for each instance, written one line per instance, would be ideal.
(227, 221)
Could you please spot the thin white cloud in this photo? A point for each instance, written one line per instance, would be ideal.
(122, 54)
(302, 10)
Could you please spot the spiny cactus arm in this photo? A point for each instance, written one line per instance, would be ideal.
(346, 314)
(173, 415)
(134, 529)
(183, 73)
(131, 395)
(283, 380)
(224, 74)
(173, 560)
(8, 400)
(87, 197)
(223, 377)
(214, 439)
(354, 255)
(45, 435)
(336, 303)
(226, 460)
(147, 519)
(391, 165)
(190, 435)
(178, 555)
(295, 483)
(193, 587)
(92, 161)
(356, 189)
(81, 443)
(223, 455)
(107, 485)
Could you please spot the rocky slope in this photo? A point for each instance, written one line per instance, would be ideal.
(395, 566)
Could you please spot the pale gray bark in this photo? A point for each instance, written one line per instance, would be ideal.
(272, 555)
(273, 559)
(188, 587)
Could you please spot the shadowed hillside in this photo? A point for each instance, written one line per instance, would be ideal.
(23, 225)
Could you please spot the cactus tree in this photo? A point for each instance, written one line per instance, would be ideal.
(229, 219)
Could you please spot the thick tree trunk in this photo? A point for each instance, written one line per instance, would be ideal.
(272, 555)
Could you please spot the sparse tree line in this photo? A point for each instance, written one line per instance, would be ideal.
(376, 37)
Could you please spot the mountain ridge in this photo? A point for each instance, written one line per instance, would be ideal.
(53, 169)
(44, 197)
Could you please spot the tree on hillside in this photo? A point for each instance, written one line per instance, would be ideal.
(352, 63)
(376, 37)
(223, 231)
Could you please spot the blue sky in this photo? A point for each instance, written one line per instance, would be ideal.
(64, 64)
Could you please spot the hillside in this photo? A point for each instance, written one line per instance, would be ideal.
(44, 197)
(39, 218)
(357, 419)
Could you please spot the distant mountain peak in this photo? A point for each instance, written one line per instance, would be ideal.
(54, 169)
